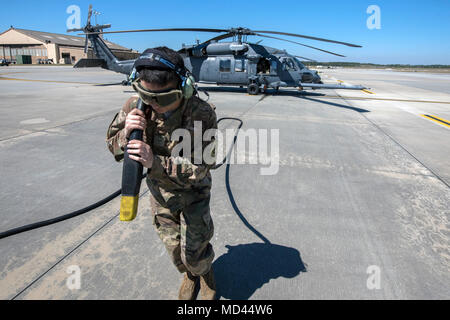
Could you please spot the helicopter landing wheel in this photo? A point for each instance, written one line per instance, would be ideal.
(253, 89)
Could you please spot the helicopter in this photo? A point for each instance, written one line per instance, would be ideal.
(237, 62)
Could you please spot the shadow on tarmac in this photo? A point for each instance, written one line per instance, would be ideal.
(308, 95)
(339, 105)
(268, 91)
(247, 267)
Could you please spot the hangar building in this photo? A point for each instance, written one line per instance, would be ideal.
(60, 48)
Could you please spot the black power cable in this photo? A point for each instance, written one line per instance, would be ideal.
(73, 214)
(234, 140)
(70, 215)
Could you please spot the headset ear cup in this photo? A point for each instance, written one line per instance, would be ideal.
(188, 87)
(134, 85)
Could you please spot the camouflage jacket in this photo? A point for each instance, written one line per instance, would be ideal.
(171, 177)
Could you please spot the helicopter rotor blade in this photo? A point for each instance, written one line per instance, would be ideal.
(89, 15)
(166, 29)
(309, 37)
(305, 58)
(230, 33)
(221, 37)
(88, 24)
(305, 45)
(73, 30)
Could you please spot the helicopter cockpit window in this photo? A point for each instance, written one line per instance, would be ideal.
(289, 65)
(225, 65)
(273, 67)
(300, 64)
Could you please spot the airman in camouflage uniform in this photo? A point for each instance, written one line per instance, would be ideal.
(180, 190)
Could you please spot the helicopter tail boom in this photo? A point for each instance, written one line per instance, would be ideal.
(90, 63)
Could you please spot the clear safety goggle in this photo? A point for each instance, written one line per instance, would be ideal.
(163, 99)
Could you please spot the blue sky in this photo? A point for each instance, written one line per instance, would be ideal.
(412, 31)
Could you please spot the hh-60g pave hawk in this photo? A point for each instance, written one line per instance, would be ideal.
(238, 62)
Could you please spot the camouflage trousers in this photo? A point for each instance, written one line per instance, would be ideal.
(186, 233)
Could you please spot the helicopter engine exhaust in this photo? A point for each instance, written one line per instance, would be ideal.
(226, 48)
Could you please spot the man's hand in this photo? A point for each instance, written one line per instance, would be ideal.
(140, 151)
(135, 120)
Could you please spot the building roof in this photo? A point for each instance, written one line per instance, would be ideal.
(63, 39)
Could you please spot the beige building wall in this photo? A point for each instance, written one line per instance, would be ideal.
(53, 52)
(36, 52)
(15, 37)
(75, 53)
(12, 39)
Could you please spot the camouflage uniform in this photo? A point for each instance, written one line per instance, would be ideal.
(180, 191)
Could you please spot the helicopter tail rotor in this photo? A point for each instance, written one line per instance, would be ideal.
(88, 29)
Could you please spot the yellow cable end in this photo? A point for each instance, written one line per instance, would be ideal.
(128, 207)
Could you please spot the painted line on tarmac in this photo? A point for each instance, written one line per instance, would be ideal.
(13, 72)
(437, 120)
(50, 81)
(382, 99)
(363, 90)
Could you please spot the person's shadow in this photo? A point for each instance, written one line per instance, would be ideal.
(247, 267)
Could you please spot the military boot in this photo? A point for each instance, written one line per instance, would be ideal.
(208, 286)
(187, 289)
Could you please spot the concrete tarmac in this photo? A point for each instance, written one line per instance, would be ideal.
(358, 209)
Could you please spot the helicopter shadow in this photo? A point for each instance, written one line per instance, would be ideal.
(334, 104)
(244, 268)
(309, 96)
(222, 89)
(291, 93)
(108, 84)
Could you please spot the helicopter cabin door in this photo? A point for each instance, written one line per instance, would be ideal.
(225, 75)
(232, 70)
(240, 71)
